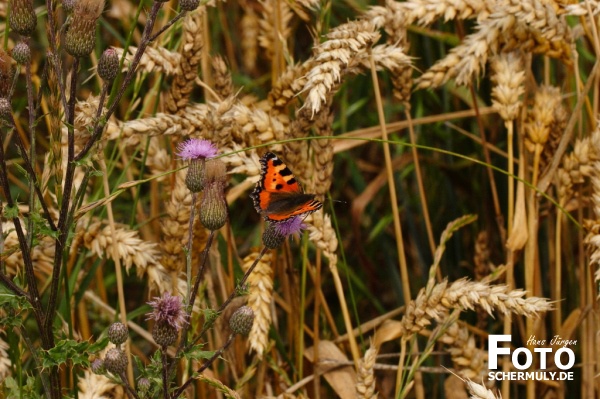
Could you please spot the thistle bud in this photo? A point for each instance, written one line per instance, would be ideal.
(21, 53)
(5, 110)
(22, 18)
(164, 334)
(143, 385)
(194, 178)
(188, 5)
(241, 320)
(98, 366)
(108, 65)
(68, 5)
(115, 361)
(118, 333)
(271, 237)
(81, 36)
(213, 209)
(276, 233)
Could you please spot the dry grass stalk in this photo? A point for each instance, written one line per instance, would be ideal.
(478, 391)
(223, 85)
(466, 295)
(577, 165)
(155, 60)
(365, 384)
(509, 78)
(469, 360)
(260, 296)
(94, 386)
(332, 57)
(529, 26)
(274, 24)
(191, 54)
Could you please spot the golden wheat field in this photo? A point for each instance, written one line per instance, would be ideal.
(299, 199)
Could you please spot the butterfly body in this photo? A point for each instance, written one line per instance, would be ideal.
(278, 196)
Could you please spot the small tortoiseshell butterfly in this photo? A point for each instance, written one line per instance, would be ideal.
(278, 195)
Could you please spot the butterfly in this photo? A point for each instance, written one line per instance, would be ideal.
(278, 195)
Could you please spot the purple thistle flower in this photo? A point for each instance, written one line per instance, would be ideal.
(196, 149)
(290, 226)
(168, 309)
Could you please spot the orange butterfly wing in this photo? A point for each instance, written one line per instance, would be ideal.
(278, 196)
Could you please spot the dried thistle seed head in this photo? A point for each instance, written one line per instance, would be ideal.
(80, 39)
(189, 5)
(21, 53)
(22, 18)
(276, 233)
(164, 334)
(241, 320)
(98, 366)
(108, 65)
(118, 333)
(5, 110)
(115, 361)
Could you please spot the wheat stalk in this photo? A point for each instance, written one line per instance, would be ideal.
(260, 297)
(95, 386)
(191, 54)
(469, 361)
(130, 248)
(154, 60)
(343, 44)
(530, 26)
(479, 391)
(578, 164)
(5, 364)
(365, 378)
(249, 25)
(466, 295)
